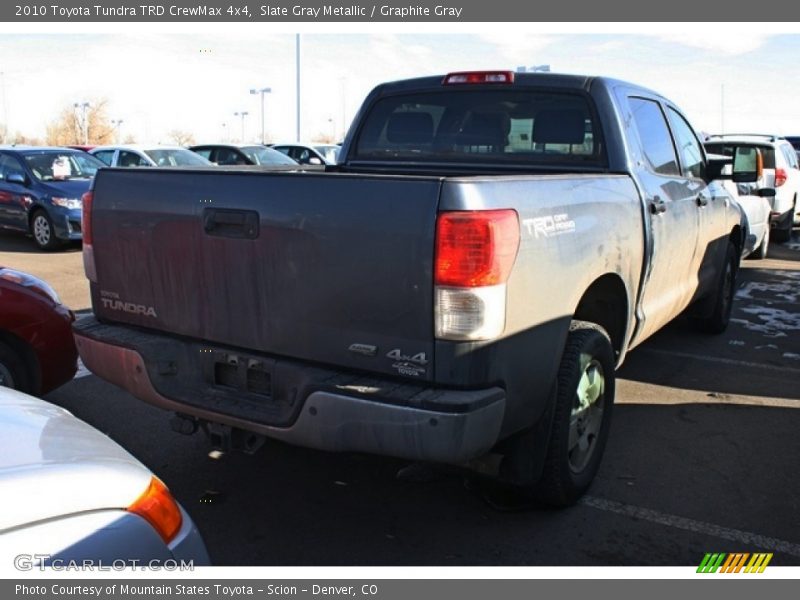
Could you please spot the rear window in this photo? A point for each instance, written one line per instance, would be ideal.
(768, 152)
(482, 127)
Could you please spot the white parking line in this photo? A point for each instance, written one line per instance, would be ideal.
(724, 361)
(734, 535)
(82, 370)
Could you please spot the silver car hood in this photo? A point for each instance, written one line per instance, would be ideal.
(53, 464)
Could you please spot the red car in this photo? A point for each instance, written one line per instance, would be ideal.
(37, 351)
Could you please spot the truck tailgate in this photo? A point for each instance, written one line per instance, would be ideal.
(325, 267)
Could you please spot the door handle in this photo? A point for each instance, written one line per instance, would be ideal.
(657, 205)
(702, 200)
(221, 222)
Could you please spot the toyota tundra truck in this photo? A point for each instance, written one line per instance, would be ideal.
(459, 289)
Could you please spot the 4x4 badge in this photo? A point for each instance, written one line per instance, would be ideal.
(419, 358)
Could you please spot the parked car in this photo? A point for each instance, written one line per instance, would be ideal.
(461, 289)
(132, 155)
(756, 207)
(41, 190)
(781, 172)
(242, 154)
(37, 350)
(310, 154)
(71, 494)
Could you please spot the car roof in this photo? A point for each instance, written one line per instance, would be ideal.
(747, 138)
(139, 147)
(27, 148)
(226, 145)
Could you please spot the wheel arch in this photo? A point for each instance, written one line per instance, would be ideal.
(605, 302)
(29, 358)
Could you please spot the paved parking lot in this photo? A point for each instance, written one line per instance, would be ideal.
(702, 457)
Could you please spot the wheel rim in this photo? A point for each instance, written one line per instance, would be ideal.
(6, 380)
(41, 230)
(586, 417)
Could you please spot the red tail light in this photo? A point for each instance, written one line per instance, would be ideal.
(474, 77)
(86, 217)
(780, 177)
(475, 248)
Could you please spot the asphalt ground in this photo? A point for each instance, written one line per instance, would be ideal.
(702, 457)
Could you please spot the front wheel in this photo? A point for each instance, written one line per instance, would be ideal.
(763, 248)
(718, 320)
(43, 232)
(582, 416)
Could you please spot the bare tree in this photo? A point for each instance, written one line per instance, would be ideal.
(181, 138)
(68, 127)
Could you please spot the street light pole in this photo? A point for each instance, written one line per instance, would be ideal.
(84, 106)
(241, 114)
(297, 69)
(116, 123)
(262, 91)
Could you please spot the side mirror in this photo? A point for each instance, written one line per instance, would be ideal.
(17, 177)
(747, 164)
(766, 192)
(314, 161)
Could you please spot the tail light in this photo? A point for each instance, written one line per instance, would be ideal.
(86, 228)
(780, 177)
(157, 506)
(475, 252)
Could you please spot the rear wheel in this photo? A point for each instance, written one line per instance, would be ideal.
(13, 373)
(582, 416)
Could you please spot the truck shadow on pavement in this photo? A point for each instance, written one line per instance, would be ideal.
(730, 466)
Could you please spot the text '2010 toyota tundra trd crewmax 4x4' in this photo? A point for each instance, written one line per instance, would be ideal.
(462, 286)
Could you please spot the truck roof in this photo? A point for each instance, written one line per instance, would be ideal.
(551, 80)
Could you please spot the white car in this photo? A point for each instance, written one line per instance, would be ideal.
(310, 154)
(757, 211)
(781, 172)
(71, 494)
(135, 155)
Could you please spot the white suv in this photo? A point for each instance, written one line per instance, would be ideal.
(781, 171)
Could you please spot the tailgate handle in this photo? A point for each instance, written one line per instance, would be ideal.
(225, 222)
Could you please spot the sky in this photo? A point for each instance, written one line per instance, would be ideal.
(194, 81)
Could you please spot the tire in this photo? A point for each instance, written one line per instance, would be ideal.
(13, 373)
(763, 248)
(43, 232)
(582, 416)
(718, 320)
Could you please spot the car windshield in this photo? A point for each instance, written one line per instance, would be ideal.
(54, 165)
(329, 152)
(266, 156)
(176, 157)
(482, 127)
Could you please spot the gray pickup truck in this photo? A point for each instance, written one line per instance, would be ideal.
(459, 289)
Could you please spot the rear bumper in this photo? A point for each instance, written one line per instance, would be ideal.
(335, 411)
